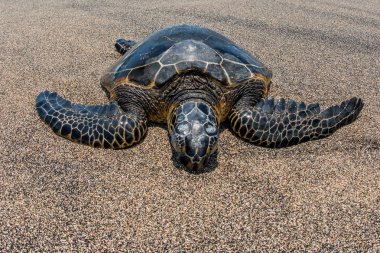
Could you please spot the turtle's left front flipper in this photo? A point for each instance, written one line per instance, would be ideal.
(106, 126)
(288, 123)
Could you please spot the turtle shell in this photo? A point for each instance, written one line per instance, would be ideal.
(181, 49)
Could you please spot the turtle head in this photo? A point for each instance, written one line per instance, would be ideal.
(194, 131)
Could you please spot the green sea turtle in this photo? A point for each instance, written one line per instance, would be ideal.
(191, 79)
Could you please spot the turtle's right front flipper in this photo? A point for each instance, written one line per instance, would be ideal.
(106, 126)
(284, 123)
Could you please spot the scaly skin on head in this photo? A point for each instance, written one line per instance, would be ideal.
(198, 105)
(193, 118)
(194, 131)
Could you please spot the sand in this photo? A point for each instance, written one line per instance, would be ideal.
(321, 196)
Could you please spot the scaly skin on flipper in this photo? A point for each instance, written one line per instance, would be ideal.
(104, 126)
(284, 124)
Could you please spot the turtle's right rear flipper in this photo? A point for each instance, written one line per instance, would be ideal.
(105, 126)
(284, 123)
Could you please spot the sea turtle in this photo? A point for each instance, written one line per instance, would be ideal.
(191, 79)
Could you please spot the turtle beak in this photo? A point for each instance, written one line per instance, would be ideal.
(197, 163)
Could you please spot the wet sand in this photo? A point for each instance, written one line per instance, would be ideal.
(321, 196)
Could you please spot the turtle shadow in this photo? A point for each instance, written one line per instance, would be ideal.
(213, 160)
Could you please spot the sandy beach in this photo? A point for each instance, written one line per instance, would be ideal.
(320, 196)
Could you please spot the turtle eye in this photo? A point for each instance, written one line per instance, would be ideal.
(210, 129)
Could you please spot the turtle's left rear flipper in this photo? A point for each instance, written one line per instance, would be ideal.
(288, 123)
(122, 45)
(105, 126)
